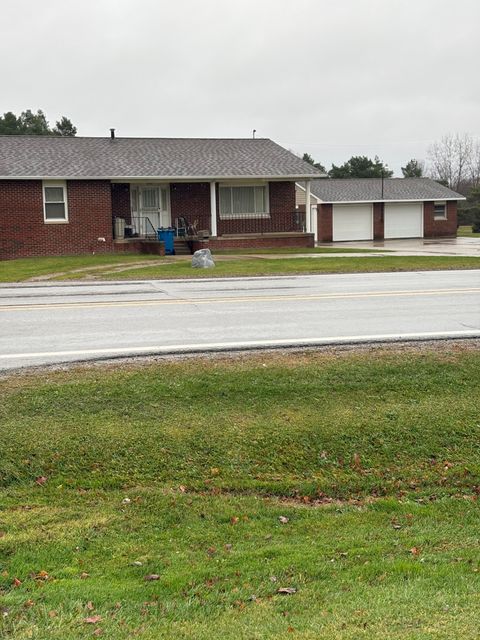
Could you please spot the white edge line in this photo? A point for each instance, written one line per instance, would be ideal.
(254, 344)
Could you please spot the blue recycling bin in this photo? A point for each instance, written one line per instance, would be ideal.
(167, 236)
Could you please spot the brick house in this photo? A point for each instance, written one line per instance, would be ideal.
(376, 209)
(61, 196)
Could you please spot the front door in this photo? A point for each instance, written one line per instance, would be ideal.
(150, 208)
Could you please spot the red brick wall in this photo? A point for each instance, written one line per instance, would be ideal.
(378, 220)
(325, 222)
(438, 228)
(121, 202)
(282, 213)
(191, 201)
(260, 241)
(23, 232)
(432, 228)
(139, 246)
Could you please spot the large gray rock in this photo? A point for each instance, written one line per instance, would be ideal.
(202, 259)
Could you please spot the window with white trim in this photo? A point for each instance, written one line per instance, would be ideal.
(243, 201)
(439, 210)
(55, 208)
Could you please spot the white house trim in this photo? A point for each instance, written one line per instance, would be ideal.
(213, 208)
(61, 184)
(308, 209)
(392, 200)
(200, 178)
(312, 195)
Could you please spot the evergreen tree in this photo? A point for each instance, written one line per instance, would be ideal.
(29, 123)
(308, 158)
(413, 169)
(361, 167)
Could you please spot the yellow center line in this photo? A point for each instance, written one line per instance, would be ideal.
(239, 299)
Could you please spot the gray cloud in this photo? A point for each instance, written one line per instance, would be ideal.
(331, 77)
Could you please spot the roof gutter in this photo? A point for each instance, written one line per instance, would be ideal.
(201, 178)
(424, 199)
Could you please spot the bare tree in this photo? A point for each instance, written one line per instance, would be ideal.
(474, 164)
(451, 159)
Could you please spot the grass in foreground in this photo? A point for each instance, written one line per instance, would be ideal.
(372, 457)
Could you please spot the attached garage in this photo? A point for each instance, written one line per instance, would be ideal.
(352, 222)
(404, 220)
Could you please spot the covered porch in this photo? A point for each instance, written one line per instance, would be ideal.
(215, 210)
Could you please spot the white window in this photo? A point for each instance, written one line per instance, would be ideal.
(55, 208)
(439, 211)
(246, 201)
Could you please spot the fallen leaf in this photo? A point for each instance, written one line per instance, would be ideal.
(151, 577)
(283, 519)
(234, 520)
(52, 614)
(41, 575)
(182, 488)
(41, 480)
(415, 551)
(90, 606)
(126, 501)
(214, 471)
(357, 465)
(211, 551)
(136, 563)
(228, 547)
(98, 632)
(28, 603)
(84, 575)
(16, 582)
(287, 591)
(92, 619)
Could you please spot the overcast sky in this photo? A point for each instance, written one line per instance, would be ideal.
(335, 78)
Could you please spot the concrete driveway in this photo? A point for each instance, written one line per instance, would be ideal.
(418, 246)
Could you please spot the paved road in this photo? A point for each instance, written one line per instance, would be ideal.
(42, 324)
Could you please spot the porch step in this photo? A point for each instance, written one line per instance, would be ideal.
(181, 247)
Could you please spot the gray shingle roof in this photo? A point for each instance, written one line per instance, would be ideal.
(55, 157)
(370, 190)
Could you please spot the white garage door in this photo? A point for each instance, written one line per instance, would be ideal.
(352, 222)
(404, 220)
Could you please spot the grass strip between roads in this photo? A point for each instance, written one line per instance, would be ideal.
(134, 267)
(350, 478)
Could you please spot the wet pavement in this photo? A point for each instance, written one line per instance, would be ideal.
(417, 246)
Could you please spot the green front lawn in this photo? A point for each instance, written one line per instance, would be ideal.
(296, 266)
(134, 267)
(26, 268)
(184, 469)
